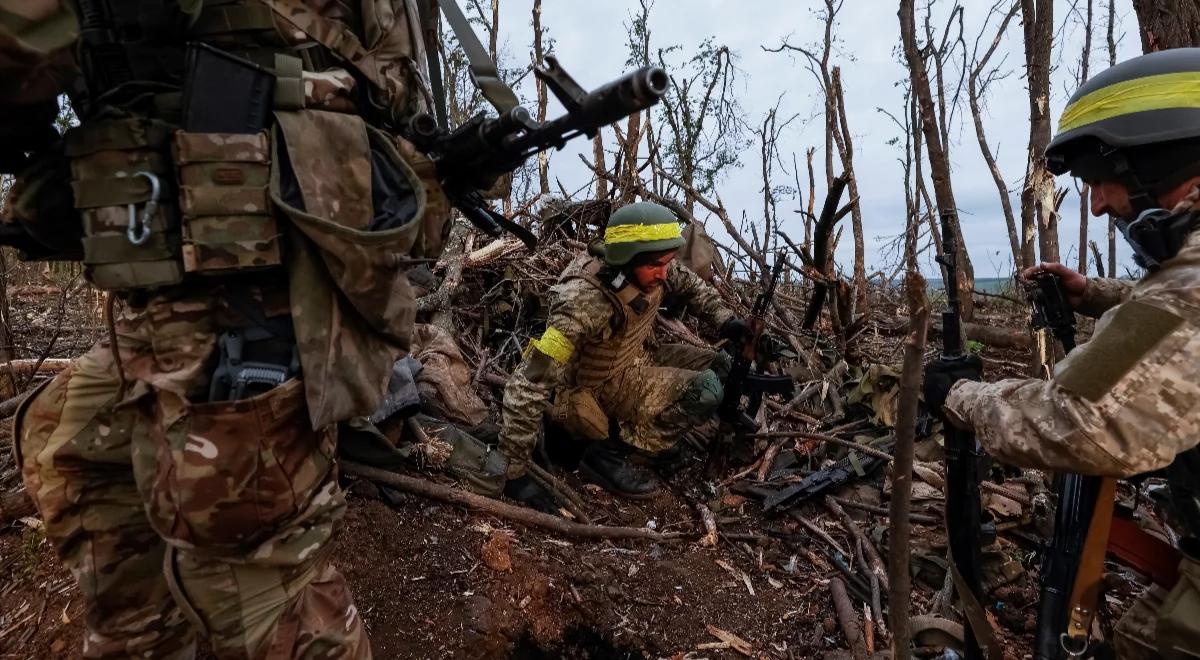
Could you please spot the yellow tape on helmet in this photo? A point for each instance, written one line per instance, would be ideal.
(1159, 92)
(637, 233)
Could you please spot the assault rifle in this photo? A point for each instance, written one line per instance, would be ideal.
(963, 455)
(823, 481)
(1073, 560)
(472, 156)
(743, 383)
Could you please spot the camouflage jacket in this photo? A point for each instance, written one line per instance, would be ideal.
(350, 301)
(580, 315)
(1124, 403)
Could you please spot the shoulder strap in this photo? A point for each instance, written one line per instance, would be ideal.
(334, 35)
(590, 273)
(483, 69)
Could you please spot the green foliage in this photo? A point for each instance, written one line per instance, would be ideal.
(974, 347)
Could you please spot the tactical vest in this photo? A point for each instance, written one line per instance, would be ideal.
(160, 206)
(633, 320)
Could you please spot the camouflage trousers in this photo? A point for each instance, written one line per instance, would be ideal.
(654, 401)
(182, 519)
(1162, 624)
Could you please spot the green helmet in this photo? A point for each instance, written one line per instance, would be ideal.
(1137, 123)
(640, 228)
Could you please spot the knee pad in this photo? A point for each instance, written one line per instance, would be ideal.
(702, 396)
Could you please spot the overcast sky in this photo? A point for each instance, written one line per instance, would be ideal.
(590, 42)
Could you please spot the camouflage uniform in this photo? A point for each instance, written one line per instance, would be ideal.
(592, 362)
(1122, 404)
(179, 516)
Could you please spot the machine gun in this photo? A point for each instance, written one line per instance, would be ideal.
(472, 156)
(1073, 560)
(741, 382)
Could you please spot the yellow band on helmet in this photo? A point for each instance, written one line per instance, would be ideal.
(1159, 92)
(637, 233)
(555, 344)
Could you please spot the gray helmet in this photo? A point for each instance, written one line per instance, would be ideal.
(1137, 122)
(640, 228)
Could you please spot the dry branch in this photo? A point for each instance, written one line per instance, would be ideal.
(899, 598)
(877, 566)
(847, 617)
(455, 496)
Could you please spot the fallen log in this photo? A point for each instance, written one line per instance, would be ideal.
(498, 248)
(988, 335)
(468, 500)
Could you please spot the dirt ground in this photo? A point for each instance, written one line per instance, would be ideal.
(433, 580)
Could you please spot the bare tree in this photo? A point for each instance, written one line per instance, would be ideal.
(701, 110)
(939, 163)
(1037, 196)
(977, 84)
(1168, 23)
(598, 157)
(538, 54)
(1084, 60)
(837, 132)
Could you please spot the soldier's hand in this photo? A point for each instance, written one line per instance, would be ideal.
(942, 374)
(1073, 283)
(527, 491)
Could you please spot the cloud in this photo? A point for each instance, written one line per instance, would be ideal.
(590, 41)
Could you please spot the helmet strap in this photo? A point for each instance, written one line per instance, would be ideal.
(1139, 195)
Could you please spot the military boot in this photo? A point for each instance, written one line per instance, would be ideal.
(606, 462)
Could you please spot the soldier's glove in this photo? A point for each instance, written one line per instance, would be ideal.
(736, 330)
(527, 491)
(942, 374)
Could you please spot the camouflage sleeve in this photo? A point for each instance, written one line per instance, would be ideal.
(578, 312)
(1102, 294)
(1124, 403)
(703, 301)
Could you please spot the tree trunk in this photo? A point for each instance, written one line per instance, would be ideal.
(543, 156)
(1168, 24)
(1037, 197)
(899, 596)
(809, 218)
(493, 36)
(629, 173)
(846, 152)
(939, 164)
(598, 157)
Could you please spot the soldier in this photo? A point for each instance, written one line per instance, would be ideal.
(251, 216)
(591, 361)
(1128, 401)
